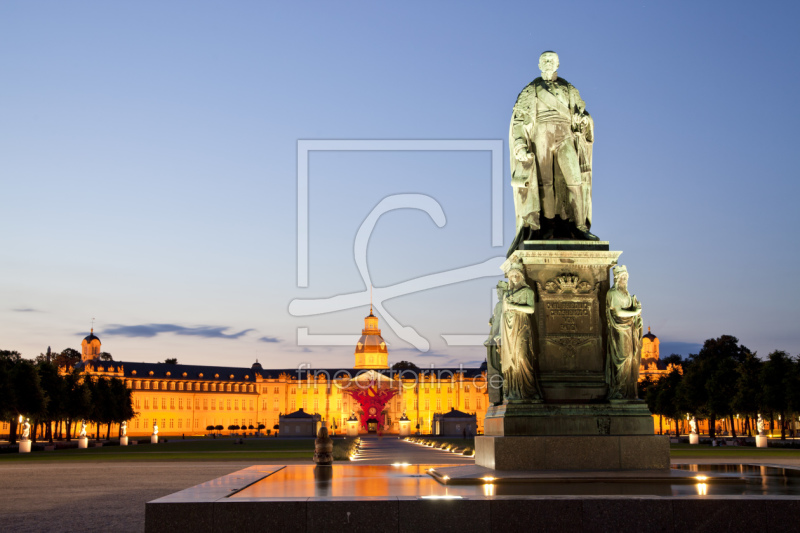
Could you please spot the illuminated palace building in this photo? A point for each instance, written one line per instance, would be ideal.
(186, 399)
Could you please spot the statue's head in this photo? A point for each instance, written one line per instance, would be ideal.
(514, 273)
(620, 275)
(548, 64)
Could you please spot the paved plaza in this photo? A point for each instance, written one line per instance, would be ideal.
(110, 496)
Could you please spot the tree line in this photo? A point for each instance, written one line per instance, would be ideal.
(725, 379)
(56, 400)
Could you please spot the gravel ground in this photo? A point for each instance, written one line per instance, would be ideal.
(107, 497)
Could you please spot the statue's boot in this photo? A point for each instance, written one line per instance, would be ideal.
(581, 230)
(548, 228)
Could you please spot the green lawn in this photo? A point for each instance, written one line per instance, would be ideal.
(678, 451)
(181, 450)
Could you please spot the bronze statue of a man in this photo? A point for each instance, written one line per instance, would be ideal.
(624, 315)
(550, 139)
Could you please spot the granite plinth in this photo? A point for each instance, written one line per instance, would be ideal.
(619, 417)
(83, 442)
(608, 452)
(694, 438)
(123, 441)
(25, 446)
(761, 441)
(153, 439)
(569, 319)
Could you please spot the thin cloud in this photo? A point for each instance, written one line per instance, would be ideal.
(26, 310)
(269, 339)
(151, 330)
(432, 354)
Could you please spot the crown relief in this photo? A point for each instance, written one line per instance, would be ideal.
(567, 283)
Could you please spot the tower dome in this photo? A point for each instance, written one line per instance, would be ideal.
(90, 346)
(371, 351)
(649, 348)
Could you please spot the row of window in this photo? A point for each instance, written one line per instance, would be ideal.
(197, 387)
(213, 402)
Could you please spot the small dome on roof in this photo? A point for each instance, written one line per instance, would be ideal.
(649, 335)
(256, 367)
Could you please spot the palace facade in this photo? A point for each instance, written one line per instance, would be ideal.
(185, 399)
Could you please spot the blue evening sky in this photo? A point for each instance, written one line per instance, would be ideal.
(149, 163)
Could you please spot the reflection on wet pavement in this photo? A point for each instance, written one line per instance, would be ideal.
(382, 481)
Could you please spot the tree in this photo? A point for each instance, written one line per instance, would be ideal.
(673, 359)
(644, 386)
(709, 380)
(662, 398)
(102, 405)
(171, 361)
(79, 399)
(26, 388)
(105, 356)
(777, 379)
(122, 401)
(404, 365)
(55, 389)
(8, 358)
(219, 427)
(67, 358)
(747, 398)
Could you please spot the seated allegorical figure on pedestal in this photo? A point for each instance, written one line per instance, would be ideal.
(624, 315)
(82, 434)
(550, 139)
(493, 349)
(518, 358)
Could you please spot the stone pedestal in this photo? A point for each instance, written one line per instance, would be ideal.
(611, 452)
(83, 442)
(25, 446)
(694, 438)
(761, 441)
(405, 428)
(617, 417)
(574, 426)
(570, 279)
(123, 441)
(153, 439)
(352, 428)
